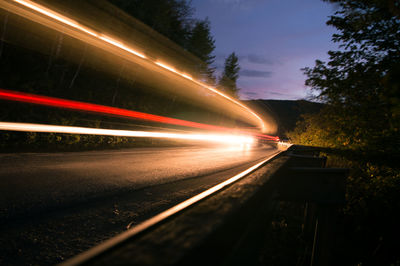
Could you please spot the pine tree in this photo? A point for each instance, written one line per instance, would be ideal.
(361, 81)
(202, 44)
(171, 18)
(230, 75)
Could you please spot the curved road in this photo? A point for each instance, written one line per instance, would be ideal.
(54, 205)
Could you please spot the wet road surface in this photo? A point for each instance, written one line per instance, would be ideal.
(55, 205)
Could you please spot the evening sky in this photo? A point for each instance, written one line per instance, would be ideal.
(274, 39)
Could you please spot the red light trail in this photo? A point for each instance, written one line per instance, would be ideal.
(116, 43)
(107, 110)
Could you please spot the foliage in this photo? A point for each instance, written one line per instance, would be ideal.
(360, 82)
(173, 19)
(288, 112)
(202, 44)
(360, 85)
(50, 64)
(230, 75)
(325, 130)
(368, 225)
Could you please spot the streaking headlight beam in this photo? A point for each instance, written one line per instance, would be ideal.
(108, 110)
(219, 138)
(116, 43)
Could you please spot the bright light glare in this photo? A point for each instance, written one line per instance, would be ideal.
(263, 127)
(186, 76)
(121, 45)
(109, 40)
(165, 66)
(50, 13)
(101, 109)
(219, 138)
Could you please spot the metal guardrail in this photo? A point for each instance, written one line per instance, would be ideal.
(323, 190)
(225, 225)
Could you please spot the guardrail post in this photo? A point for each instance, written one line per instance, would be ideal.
(301, 160)
(310, 217)
(324, 187)
(324, 234)
(297, 160)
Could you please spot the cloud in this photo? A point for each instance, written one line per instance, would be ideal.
(268, 94)
(249, 93)
(258, 59)
(277, 93)
(255, 73)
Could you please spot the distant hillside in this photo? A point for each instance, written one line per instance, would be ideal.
(286, 112)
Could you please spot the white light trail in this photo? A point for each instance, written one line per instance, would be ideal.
(219, 138)
(121, 46)
(169, 68)
(60, 18)
(54, 15)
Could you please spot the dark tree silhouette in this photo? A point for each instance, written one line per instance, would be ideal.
(360, 85)
(172, 18)
(230, 75)
(202, 44)
(361, 82)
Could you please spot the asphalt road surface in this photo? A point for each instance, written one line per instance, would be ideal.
(55, 205)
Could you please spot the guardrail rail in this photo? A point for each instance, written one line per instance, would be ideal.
(227, 226)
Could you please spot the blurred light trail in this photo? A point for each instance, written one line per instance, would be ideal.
(167, 67)
(101, 109)
(122, 46)
(219, 138)
(65, 20)
(173, 70)
(54, 15)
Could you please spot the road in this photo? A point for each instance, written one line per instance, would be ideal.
(54, 205)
